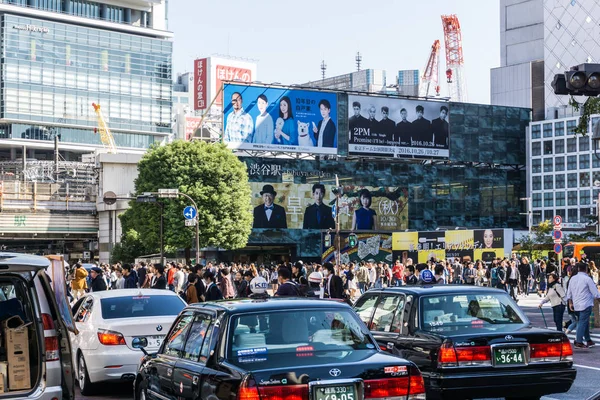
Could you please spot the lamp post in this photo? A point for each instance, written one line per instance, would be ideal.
(174, 193)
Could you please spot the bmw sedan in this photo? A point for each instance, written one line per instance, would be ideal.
(273, 349)
(108, 322)
(469, 342)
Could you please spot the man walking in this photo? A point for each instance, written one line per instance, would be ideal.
(581, 294)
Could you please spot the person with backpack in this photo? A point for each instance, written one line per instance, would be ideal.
(556, 297)
(212, 290)
(286, 286)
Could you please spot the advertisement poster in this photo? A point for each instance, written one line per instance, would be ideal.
(201, 84)
(230, 73)
(369, 247)
(310, 206)
(276, 119)
(402, 128)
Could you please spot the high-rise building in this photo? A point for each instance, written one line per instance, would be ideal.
(538, 39)
(60, 56)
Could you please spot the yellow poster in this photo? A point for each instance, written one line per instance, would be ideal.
(408, 241)
(459, 240)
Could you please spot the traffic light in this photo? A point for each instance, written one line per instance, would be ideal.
(581, 80)
(327, 240)
(352, 240)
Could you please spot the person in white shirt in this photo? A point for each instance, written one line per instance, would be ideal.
(372, 274)
(178, 279)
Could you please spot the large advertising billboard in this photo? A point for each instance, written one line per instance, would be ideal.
(373, 247)
(310, 206)
(276, 119)
(392, 127)
(200, 84)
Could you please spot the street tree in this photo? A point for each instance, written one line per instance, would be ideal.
(538, 239)
(211, 175)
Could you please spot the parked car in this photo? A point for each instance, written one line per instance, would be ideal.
(468, 342)
(108, 321)
(273, 349)
(26, 295)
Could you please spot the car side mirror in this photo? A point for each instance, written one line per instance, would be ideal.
(140, 343)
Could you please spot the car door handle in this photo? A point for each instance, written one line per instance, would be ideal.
(169, 372)
(195, 380)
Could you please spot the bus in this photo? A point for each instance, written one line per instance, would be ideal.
(577, 249)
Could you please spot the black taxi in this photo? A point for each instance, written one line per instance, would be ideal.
(469, 342)
(273, 349)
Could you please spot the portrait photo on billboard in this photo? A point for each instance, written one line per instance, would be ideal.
(310, 206)
(394, 127)
(489, 239)
(279, 119)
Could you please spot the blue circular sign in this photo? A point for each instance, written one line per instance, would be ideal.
(558, 248)
(190, 212)
(557, 235)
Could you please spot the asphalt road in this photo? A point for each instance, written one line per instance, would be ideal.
(587, 363)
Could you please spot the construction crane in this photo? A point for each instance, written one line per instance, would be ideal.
(430, 80)
(105, 136)
(457, 87)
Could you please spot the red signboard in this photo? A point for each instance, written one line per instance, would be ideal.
(200, 84)
(191, 124)
(230, 73)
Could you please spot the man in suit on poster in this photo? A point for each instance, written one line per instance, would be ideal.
(357, 123)
(269, 215)
(422, 134)
(318, 215)
(403, 129)
(386, 125)
(439, 126)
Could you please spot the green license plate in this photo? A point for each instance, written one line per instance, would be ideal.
(335, 392)
(509, 355)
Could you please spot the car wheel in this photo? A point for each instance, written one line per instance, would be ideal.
(141, 392)
(83, 379)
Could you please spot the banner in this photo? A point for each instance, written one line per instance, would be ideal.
(310, 206)
(369, 247)
(230, 73)
(392, 127)
(191, 125)
(275, 119)
(200, 84)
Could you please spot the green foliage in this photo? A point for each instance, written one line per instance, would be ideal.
(590, 106)
(540, 235)
(131, 246)
(211, 175)
(583, 237)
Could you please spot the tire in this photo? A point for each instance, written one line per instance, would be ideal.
(83, 378)
(140, 392)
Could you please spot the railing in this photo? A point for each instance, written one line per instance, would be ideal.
(16, 195)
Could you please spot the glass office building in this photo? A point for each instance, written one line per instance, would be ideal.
(54, 69)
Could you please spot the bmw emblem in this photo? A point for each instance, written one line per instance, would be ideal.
(335, 372)
(159, 328)
(508, 337)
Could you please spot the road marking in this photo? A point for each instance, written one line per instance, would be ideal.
(585, 366)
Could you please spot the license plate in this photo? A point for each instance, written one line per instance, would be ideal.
(335, 392)
(509, 355)
(154, 341)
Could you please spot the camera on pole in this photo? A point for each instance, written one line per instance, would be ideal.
(581, 80)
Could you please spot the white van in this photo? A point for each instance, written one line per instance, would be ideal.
(28, 299)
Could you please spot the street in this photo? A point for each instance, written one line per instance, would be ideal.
(587, 363)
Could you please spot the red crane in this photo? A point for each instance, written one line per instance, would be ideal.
(431, 75)
(457, 88)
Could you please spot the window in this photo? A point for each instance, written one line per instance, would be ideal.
(198, 332)
(548, 199)
(175, 345)
(535, 131)
(536, 183)
(140, 306)
(389, 308)
(84, 310)
(572, 198)
(571, 163)
(536, 148)
(595, 161)
(548, 215)
(571, 145)
(584, 197)
(562, 213)
(571, 125)
(536, 200)
(548, 182)
(560, 198)
(548, 147)
(559, 164)
(559, 146)
(548, 163)
(584, 143)
(536, 166)
(572, 215)
(584, 179)
(547, 130)
(584, 161)
(572, 180)
(559, 181)
(559, 128)
(365, 308)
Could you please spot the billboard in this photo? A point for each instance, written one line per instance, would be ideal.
(200, 84)
(276, 119)
(310, 206)
(191, 124)
(372, 247)
(393, 127)
(228, 72)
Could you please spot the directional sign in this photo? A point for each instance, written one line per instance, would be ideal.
(333, 211)
(557, 220)
(558, 248)
(190, 212)
(190, 222)
(557, 235)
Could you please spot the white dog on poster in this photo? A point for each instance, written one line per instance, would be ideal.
(304, 138)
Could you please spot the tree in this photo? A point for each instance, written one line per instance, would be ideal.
(540, 235)
(211, 175)
(130, 247)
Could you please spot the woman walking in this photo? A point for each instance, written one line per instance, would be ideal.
(555, 295)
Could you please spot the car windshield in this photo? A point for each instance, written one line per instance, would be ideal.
(140, 306)
(292, 332)
(459, 311)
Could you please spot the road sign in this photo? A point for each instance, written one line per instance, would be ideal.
(190, 212)
(558, 248)
(168, 193)
(333, 211)
(190, 222)
(557, 220)
(557, 235)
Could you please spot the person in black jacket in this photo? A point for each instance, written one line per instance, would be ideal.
(268, 214)
(130, 277)
(212, 290)
(200, 288)
(333, 283)
(318, 215)
(161, 281)
(98, 283)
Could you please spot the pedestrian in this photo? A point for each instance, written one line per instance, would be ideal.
(79, 282)
(160, 282)
(397, 273)
(200, 287)
(439, 274)
(362, 276)
(179, 278)
(542, 279)
(501, 275)
(581, 294)
(512, 275)
(98, 282)
(556, 297)
(458, 272)
(411, 279)
(130, 277)
(141, 275)
(170, 275)
(286, 286)
(212, 290)
(191, 295)
(225, 284)
(333, 283)
(469, 274)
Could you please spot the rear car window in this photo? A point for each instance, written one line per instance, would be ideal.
(467, 311)
(140, 306)
(296, 332)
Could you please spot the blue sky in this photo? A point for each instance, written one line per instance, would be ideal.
(289, 41)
